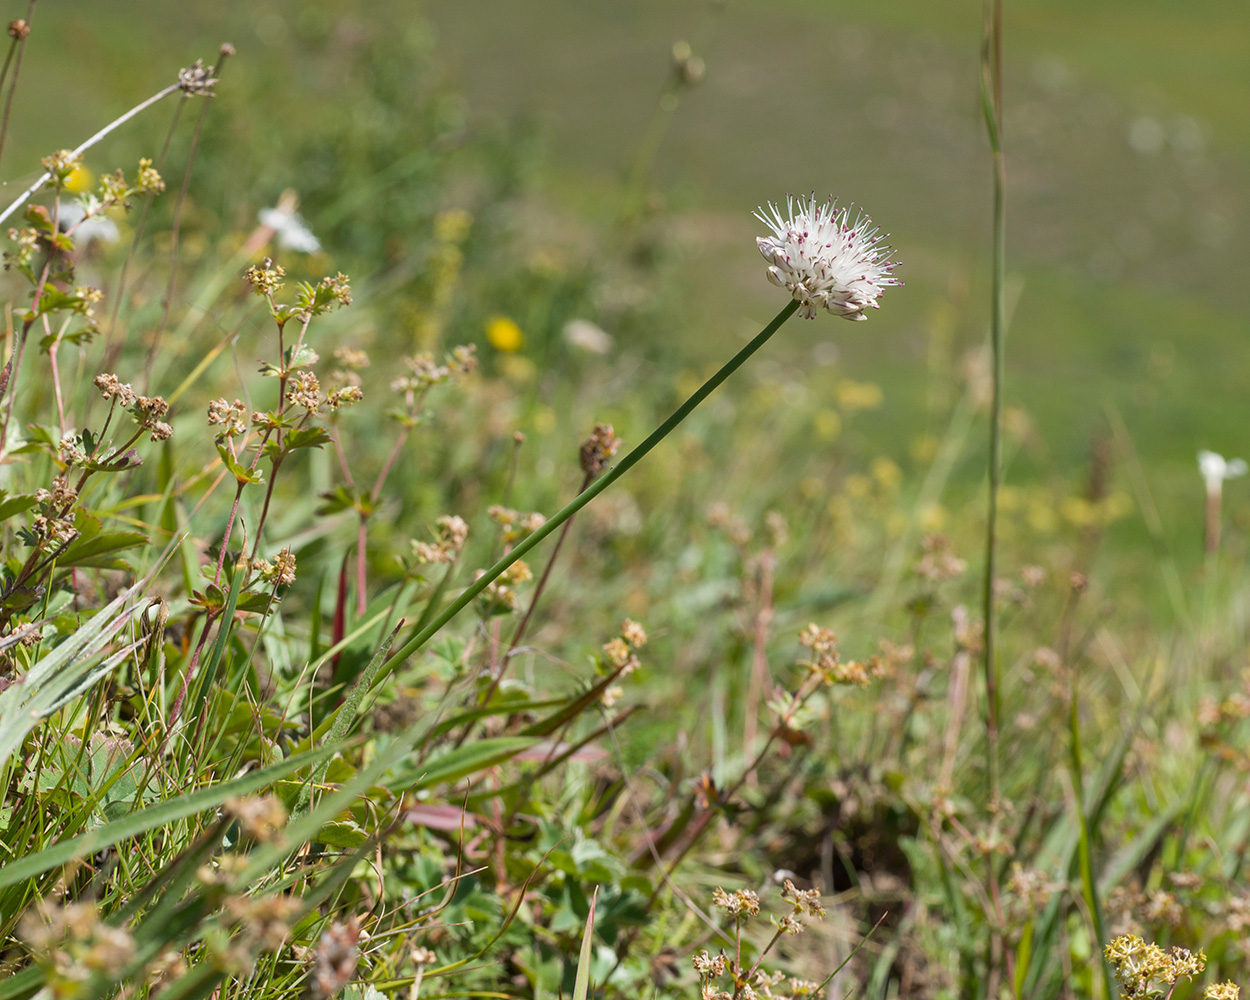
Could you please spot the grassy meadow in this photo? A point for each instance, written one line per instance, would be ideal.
(310, 683)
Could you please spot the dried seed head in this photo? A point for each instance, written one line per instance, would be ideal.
(197, 79)
(598, 448)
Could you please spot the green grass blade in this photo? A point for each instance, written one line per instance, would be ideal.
(581, 985)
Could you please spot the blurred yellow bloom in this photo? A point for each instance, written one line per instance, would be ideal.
(1041, 516)
(452, 226)
(517, 368)
(504, 335)
(1010, 498)
(932, 517)
(544, 420)
(828, 424)
(857, 485)
(924, 447)
(853, 396)
(886, 472)
(80, 179)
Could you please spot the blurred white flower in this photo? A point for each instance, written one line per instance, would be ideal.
(289, 229)
(586, 335)
(823, 259)
(1216, 468)
(98, 227)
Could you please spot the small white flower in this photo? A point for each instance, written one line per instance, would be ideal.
(289, 229)
(586, 335)
(824, 260)
(1216, 468)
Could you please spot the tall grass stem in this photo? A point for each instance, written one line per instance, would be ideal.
(992, 105)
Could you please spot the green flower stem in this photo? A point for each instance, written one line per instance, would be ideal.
(595, 488)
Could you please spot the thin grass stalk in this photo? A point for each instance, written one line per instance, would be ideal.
(595, 488)
(992, 105)
(19, 46)
(176, 226)
(113, 344)
(1089, 885)
(999, 958)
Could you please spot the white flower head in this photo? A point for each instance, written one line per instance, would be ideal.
(290, 230)
(585, 335)
(1216, 468)
(823, 259)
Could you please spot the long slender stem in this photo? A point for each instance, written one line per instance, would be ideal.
(595, 488)
(992, 105)
(176, 225)
(519, 634)
(110, 127)
(20, 46)
(992, 97)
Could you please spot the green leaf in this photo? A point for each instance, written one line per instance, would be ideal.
(305, 437)
(10, 505)
(581, 985)
(342, 833)
(239, 471)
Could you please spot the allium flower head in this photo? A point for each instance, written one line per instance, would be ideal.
(823, 259)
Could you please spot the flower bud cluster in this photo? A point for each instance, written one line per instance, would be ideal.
(230, 417)
(1144, 969)
(280, 572)
(755, 983)
(423, 372)
(449, 538)
(265, 277)
(618, 653)
(304, 390)
(60, 165)
(827, 664)
(147, 410)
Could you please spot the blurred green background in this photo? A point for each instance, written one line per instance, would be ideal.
(1128, 166)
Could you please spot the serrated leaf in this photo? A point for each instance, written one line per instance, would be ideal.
(305, 437)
